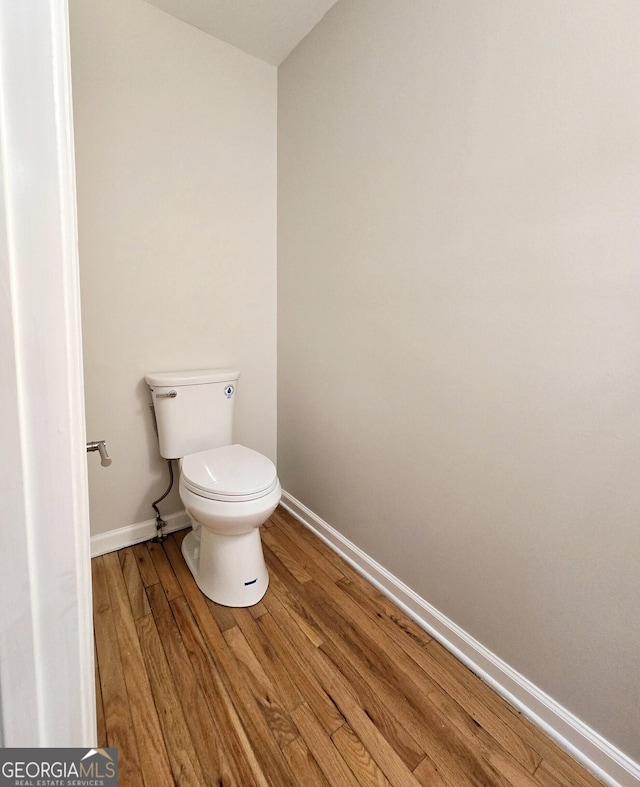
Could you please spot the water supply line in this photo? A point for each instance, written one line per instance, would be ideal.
(161, 536)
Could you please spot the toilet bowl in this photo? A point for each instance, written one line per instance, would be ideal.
(228, 492)
(227, 489)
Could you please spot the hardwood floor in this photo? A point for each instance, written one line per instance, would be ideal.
(324, 682)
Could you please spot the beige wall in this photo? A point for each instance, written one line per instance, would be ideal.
(459, 320)
(176, 169)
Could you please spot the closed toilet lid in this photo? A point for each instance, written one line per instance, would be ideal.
(230, 471)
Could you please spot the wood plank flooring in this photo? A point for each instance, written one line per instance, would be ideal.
(324, 682)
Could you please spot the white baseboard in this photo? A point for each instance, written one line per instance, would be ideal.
(134, 534)
(584, 744)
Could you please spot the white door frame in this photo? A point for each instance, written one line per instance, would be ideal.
(47, 692)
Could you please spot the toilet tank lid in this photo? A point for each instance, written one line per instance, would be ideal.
(193, 377)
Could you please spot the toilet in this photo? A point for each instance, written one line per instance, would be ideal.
(228, 490)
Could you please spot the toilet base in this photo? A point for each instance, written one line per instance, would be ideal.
(229, 570)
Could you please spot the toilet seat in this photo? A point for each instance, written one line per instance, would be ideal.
(232, 473)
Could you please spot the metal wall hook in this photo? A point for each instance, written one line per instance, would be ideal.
(101, 447)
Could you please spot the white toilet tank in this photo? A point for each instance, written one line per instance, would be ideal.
(194, 409)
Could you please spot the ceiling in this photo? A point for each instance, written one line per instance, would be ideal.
(268, 29)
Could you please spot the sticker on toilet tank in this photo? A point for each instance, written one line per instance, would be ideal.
(228, 391)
